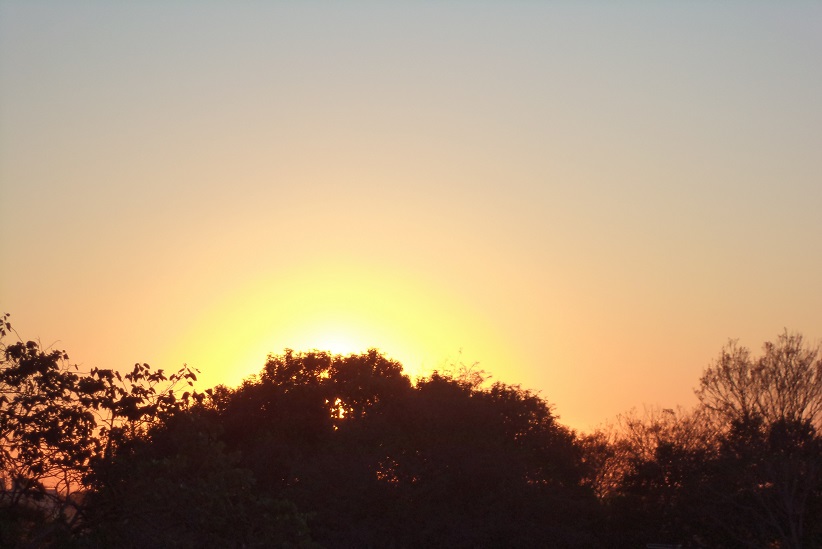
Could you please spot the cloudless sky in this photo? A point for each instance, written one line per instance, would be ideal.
(588, 198)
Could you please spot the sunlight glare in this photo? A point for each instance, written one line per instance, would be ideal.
(343, 310)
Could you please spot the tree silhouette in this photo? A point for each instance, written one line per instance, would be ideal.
(742, 469)
(770, 462)
(320, 450)
(57, 424)
(376, 461)
(784, 384)
(178, 487)
(650, 475)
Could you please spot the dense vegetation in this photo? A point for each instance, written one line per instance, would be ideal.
(333, 451)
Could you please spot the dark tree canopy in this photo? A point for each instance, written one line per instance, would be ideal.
(58, 425)
(320, 450)
(743, 469)
(784, 384)
(377, 461)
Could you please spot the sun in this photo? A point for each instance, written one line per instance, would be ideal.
(342, 311)
(336, 338)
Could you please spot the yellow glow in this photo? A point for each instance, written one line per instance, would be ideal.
(336, 341)
(343, 309)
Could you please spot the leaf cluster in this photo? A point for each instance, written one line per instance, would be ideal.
(742, 469)
(57, 423)
(345, 451)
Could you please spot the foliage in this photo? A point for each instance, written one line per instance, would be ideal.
(57, 423)
(178, 487)
(769, 469)
(344, 451)
(649, 474)
(744, 468)
(784, 384)
(377, 461)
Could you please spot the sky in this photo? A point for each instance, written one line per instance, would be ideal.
(586, 198)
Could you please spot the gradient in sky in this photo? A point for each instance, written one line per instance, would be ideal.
(587, 198)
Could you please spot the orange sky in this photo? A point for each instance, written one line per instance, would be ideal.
(588, 199)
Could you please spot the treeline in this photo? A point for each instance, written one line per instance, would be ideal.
(333, 451)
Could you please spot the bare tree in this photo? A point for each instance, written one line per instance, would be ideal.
(770, 466)
(784, 384)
